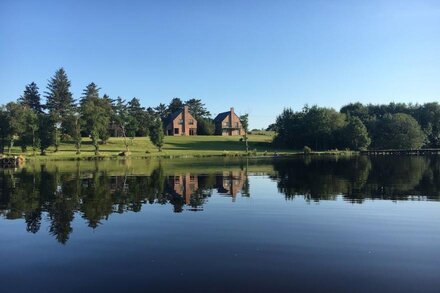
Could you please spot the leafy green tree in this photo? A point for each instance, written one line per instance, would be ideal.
(205, 126)
(197, 109)
(356, 134)
(31, 98)
(4, 128)
(322, 123)
(428, 116)
(74, 122)
(286, 126)
(30, 136)
(59, 101)
(16, 121)
(313, 126)
(398, 131)
(95, 114)
(156, 134)
(245, 124)
(45, 132)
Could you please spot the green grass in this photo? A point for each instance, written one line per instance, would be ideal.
(174, 146)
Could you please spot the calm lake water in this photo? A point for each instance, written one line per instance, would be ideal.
(222, 225)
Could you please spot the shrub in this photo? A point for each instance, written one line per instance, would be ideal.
(307, 150)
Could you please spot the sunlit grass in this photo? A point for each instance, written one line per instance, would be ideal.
(174, 146)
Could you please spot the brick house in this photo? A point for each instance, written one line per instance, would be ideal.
(181, 123)
(228, 123)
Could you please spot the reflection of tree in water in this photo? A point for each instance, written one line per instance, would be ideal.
(320, 179)
(57, 196)
(359, 178)
(94, 195)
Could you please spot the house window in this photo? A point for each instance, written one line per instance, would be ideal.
(191, 122)
(176, 130)
(181, 121)
(192, 131)
(236, 125)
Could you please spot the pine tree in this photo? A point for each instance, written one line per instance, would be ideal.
(31, 98)
(121, 118)
(139, 122)
(60, 102)
(175, 105)
(197, 108)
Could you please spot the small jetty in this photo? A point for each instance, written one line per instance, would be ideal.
(15, 161)
(416, 152)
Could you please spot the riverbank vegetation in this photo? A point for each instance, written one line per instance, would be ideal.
(98, 125)
(360, 127)
(173, 146)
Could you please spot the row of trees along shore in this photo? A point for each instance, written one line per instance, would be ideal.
(31, 124)
(359, 127)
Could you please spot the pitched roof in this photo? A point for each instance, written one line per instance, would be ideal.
(221, 116)
(173, 116)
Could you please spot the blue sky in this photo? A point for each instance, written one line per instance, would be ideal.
(258, 56)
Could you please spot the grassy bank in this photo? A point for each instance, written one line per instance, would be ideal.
(190, 146)
(140, 147)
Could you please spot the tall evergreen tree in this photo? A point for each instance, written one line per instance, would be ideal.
(107, 108)
(175, 105)
(162, 111)
(121, 118)
(59, 100)
(31, 98)
(138, 123)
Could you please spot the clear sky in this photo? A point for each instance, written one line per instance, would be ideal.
(258, 56)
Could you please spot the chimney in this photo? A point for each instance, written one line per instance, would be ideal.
(185, 109)
(232, 110)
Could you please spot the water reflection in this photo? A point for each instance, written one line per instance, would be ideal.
(58, 196)
(360, 178)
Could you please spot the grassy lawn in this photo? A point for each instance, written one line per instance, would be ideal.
(173, 146)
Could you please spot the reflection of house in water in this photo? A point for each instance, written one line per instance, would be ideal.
(184, 185)
(230, 182)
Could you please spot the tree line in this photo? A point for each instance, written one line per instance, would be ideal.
(359, 127)
(30, 123)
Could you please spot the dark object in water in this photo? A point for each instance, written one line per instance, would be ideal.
(12, 161)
